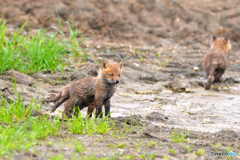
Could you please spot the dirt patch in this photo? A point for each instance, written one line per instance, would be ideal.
(158, 107)
(133, 21)
(152, 142)
(155, 116)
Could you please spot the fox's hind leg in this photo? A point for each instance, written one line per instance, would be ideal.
(218, 76)
(79, 105)
(215, 75)
(73, 107)
(68, 108)
(209, 82)
(90, 110)
(76, 111)
(210, 72)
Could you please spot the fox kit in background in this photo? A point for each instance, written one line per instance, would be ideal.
(216, 60)
(90, 92)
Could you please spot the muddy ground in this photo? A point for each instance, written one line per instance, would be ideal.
(164, 91)
(162, 44)
(142, 22)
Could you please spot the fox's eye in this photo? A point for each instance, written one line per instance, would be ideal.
(111, 75)
(118, 75)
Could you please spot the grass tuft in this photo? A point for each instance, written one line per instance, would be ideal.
(37, 52)
(77, 125)
(177, 138)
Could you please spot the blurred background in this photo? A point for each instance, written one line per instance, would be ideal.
(138, 22)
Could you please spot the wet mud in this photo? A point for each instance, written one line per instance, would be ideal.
(160, 98)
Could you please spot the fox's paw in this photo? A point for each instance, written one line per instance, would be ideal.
(217, 81)
(207, 86)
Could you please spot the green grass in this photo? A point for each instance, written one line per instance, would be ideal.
(79, 147)
(215, 145)
(189, 149)
(19, 130)
(151, 144)
(148, 156)
(129, 157)
(14, 113)
(37, 52)
(177, 138)
(121, 134)
(59, 157)
(119, 145)
(77, 125)
(166, 157)
(93, 157)
(172, 151)
(200, 152)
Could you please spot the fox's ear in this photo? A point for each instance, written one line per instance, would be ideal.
(214, 38)
(104, 65)
(226, 40)
(120, 65)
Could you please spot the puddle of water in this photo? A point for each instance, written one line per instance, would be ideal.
(206, 111)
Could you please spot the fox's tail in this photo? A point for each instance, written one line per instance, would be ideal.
(211, 72)
(61, 97)
(53, 99)
(60, 101)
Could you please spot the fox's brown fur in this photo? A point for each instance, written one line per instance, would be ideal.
(89, 92)
(216, 60)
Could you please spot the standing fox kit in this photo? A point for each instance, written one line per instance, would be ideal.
(89, 92)
(216, 60)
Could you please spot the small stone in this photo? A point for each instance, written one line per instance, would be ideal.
(166, 92)
(79, 138)
(65, 148)
(195, 68)
(98, 47)
(183, 77)
(136, 64)
(159, 69)
(188, 90)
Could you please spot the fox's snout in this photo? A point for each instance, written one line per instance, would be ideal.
(117, 81)
(114, 81)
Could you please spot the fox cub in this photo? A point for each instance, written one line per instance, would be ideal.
(89, 92)
(216, 60)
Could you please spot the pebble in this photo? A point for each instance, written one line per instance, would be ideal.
(98, 47)
(195, 68)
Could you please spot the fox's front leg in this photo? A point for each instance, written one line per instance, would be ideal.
(98, 105)
(107, 107)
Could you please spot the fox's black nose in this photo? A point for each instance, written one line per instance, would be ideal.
(117, 81)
